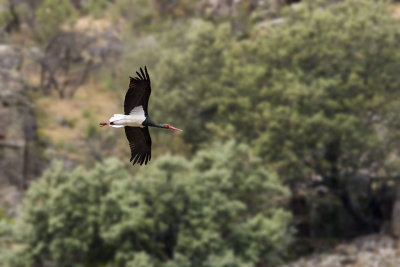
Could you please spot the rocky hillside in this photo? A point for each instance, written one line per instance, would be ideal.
(18, 137)
(367, 251)
(20, 149)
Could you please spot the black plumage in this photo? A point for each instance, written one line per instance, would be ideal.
(140, 144)
(136, 119)
(138, 93)
(139, 139)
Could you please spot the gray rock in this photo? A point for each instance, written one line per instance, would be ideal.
(18, 136)
(10, 57)
(367, 251)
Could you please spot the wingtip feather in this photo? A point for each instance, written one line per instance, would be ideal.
(136, 159)
(144, 76)
(147, 74)
(140, 159)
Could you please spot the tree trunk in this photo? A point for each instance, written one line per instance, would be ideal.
(396, 212)
(356, 213)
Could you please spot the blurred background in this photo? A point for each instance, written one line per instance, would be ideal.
(290, 149)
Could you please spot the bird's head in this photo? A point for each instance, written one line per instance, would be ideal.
(167, 126)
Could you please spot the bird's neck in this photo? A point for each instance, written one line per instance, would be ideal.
(149, 122)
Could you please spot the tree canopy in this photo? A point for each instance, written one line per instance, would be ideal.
(316, 95)
(220, 209)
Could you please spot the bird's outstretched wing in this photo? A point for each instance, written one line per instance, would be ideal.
(140, 144)
(138, 93)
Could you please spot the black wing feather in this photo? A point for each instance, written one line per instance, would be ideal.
(140, 144)
(138, 93)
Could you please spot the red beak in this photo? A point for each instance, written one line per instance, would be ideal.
(173, 128)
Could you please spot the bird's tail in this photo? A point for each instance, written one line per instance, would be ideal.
(114, 120)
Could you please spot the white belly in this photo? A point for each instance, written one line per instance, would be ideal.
(120, 120)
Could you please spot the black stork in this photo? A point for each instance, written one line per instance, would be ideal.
(136, 119)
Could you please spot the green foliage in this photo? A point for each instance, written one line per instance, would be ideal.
(298, 93)
(50, 15)
(5, 16)
(221, 209)
(95, 7)
(199, 81)
(316, 95)
(6, 237)
(87, 114)
(330, 98)
(61, 220)
(91, 129)
(12, 13)
(138, 13)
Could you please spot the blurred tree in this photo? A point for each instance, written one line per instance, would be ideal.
(50, 15)
(70, 57)
(221, 209)
(10, 16)
(329, 103)
(61, 220)
(202, 90)
(72, 52)
(319, 104)
(14, 13)
(94, 7)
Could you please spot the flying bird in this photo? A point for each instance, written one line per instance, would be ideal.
(136, 119)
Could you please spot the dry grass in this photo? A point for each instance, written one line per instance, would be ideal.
(396, 10)
(88, 23)
(90, 99)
